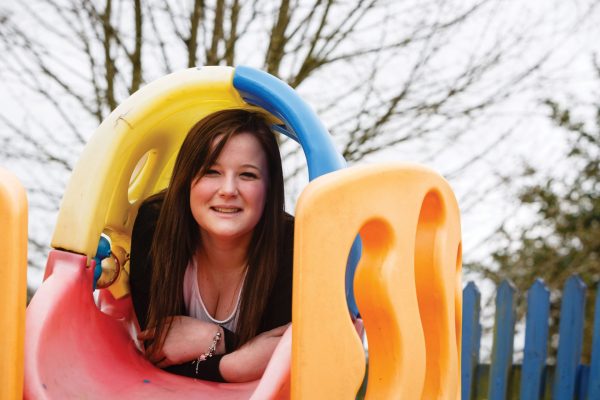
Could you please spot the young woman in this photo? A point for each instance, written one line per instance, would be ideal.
(211, 257)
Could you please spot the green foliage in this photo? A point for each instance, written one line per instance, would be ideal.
(564, 238)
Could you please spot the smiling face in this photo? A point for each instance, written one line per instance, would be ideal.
(228, 200)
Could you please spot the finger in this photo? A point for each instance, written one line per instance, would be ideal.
(279, 331)
(359, 326)
(154, 356)
(146, 334)
(165, 362)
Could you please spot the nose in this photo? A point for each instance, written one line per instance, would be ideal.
(228, 187)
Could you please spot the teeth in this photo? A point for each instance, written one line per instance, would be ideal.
(226, 210)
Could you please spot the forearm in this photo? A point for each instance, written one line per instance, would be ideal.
(186, 340)
(189, 366)
(207, 370)
(199, 358)
(202, 343)
(234, 368)
(249, 362)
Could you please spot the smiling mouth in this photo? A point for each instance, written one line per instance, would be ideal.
(226, 210)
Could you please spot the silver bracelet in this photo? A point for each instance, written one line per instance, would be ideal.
(211, 351)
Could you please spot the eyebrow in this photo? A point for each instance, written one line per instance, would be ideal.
(243, 166)
(251, 166)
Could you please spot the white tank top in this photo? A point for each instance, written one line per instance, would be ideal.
(195, 306)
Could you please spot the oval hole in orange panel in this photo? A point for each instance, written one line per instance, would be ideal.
(430, 292)
(376, 308)
(459, 258)
(458, 296)
(362, 333)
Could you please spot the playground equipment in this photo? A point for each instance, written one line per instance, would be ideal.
(13, 283)
(406, 215)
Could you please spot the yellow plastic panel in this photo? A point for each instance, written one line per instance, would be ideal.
(407, 285)
(106, 187)
(13, 284)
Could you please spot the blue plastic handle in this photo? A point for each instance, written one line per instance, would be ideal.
(302, 125)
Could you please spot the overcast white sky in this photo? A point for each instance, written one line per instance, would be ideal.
(567, 76)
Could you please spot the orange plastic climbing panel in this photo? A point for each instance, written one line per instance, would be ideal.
(407, 285)
(13, 284)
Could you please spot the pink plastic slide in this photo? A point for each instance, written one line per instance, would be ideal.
(74, 349)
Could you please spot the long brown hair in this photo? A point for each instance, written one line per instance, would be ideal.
(177, 234)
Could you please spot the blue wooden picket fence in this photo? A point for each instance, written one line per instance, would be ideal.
(533, 379)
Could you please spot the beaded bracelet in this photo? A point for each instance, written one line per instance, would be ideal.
(210, 352)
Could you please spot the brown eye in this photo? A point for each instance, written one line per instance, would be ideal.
(249, 175)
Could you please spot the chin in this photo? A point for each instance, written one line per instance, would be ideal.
(227, 234)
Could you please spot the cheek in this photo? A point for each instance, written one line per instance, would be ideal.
(257, 194)
(200, 193)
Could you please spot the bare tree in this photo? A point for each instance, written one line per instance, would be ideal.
(381, 73)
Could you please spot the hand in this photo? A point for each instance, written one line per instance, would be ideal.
(248, 363)
(185, 341)
(359, 326)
